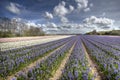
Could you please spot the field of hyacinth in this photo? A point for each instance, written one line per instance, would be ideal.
(13, 43)
(81, 57)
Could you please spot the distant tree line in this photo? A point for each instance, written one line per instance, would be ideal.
(112, 32)
(14, 28)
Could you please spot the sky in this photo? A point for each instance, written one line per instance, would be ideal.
(64, 16)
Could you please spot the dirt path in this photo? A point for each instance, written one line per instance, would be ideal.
(62, 65)
(33, 64)
(92, 65)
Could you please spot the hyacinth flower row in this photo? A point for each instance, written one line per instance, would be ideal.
(13, 52)
(113, 42)
(46, 69)
(77, 67)
(10, 64)
(109, 50)
(10, 54)
(108, 65)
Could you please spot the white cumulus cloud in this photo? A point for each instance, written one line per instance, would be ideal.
(16, 19)
(99, 22)
(29, 23)
(51, 25)
(82, 3)
(51, 28)
(71, 8)
(14, 8)
(64, 19)
(48, 15)
(60, 9)
(86, 9)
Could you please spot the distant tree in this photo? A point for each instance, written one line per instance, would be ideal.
(33, 31)
(11, 28)
(94, 32)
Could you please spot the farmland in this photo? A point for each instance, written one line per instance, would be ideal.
(12, 43)
(81, 57)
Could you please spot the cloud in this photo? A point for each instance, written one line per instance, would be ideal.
(60, 9)
(51, 25)
(14, 8)
(81, 4)
(99, 22)
(48, 15)
(106, 27)
(43, 25)
(17, 19)
(86, 9)
(64, 19)
(71, 8)
(29, 23)
(79, 7)
(50, 28)
(63, 3)
(70, 28)
(39, 25)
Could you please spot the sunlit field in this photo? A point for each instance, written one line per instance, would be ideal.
(82, 57)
